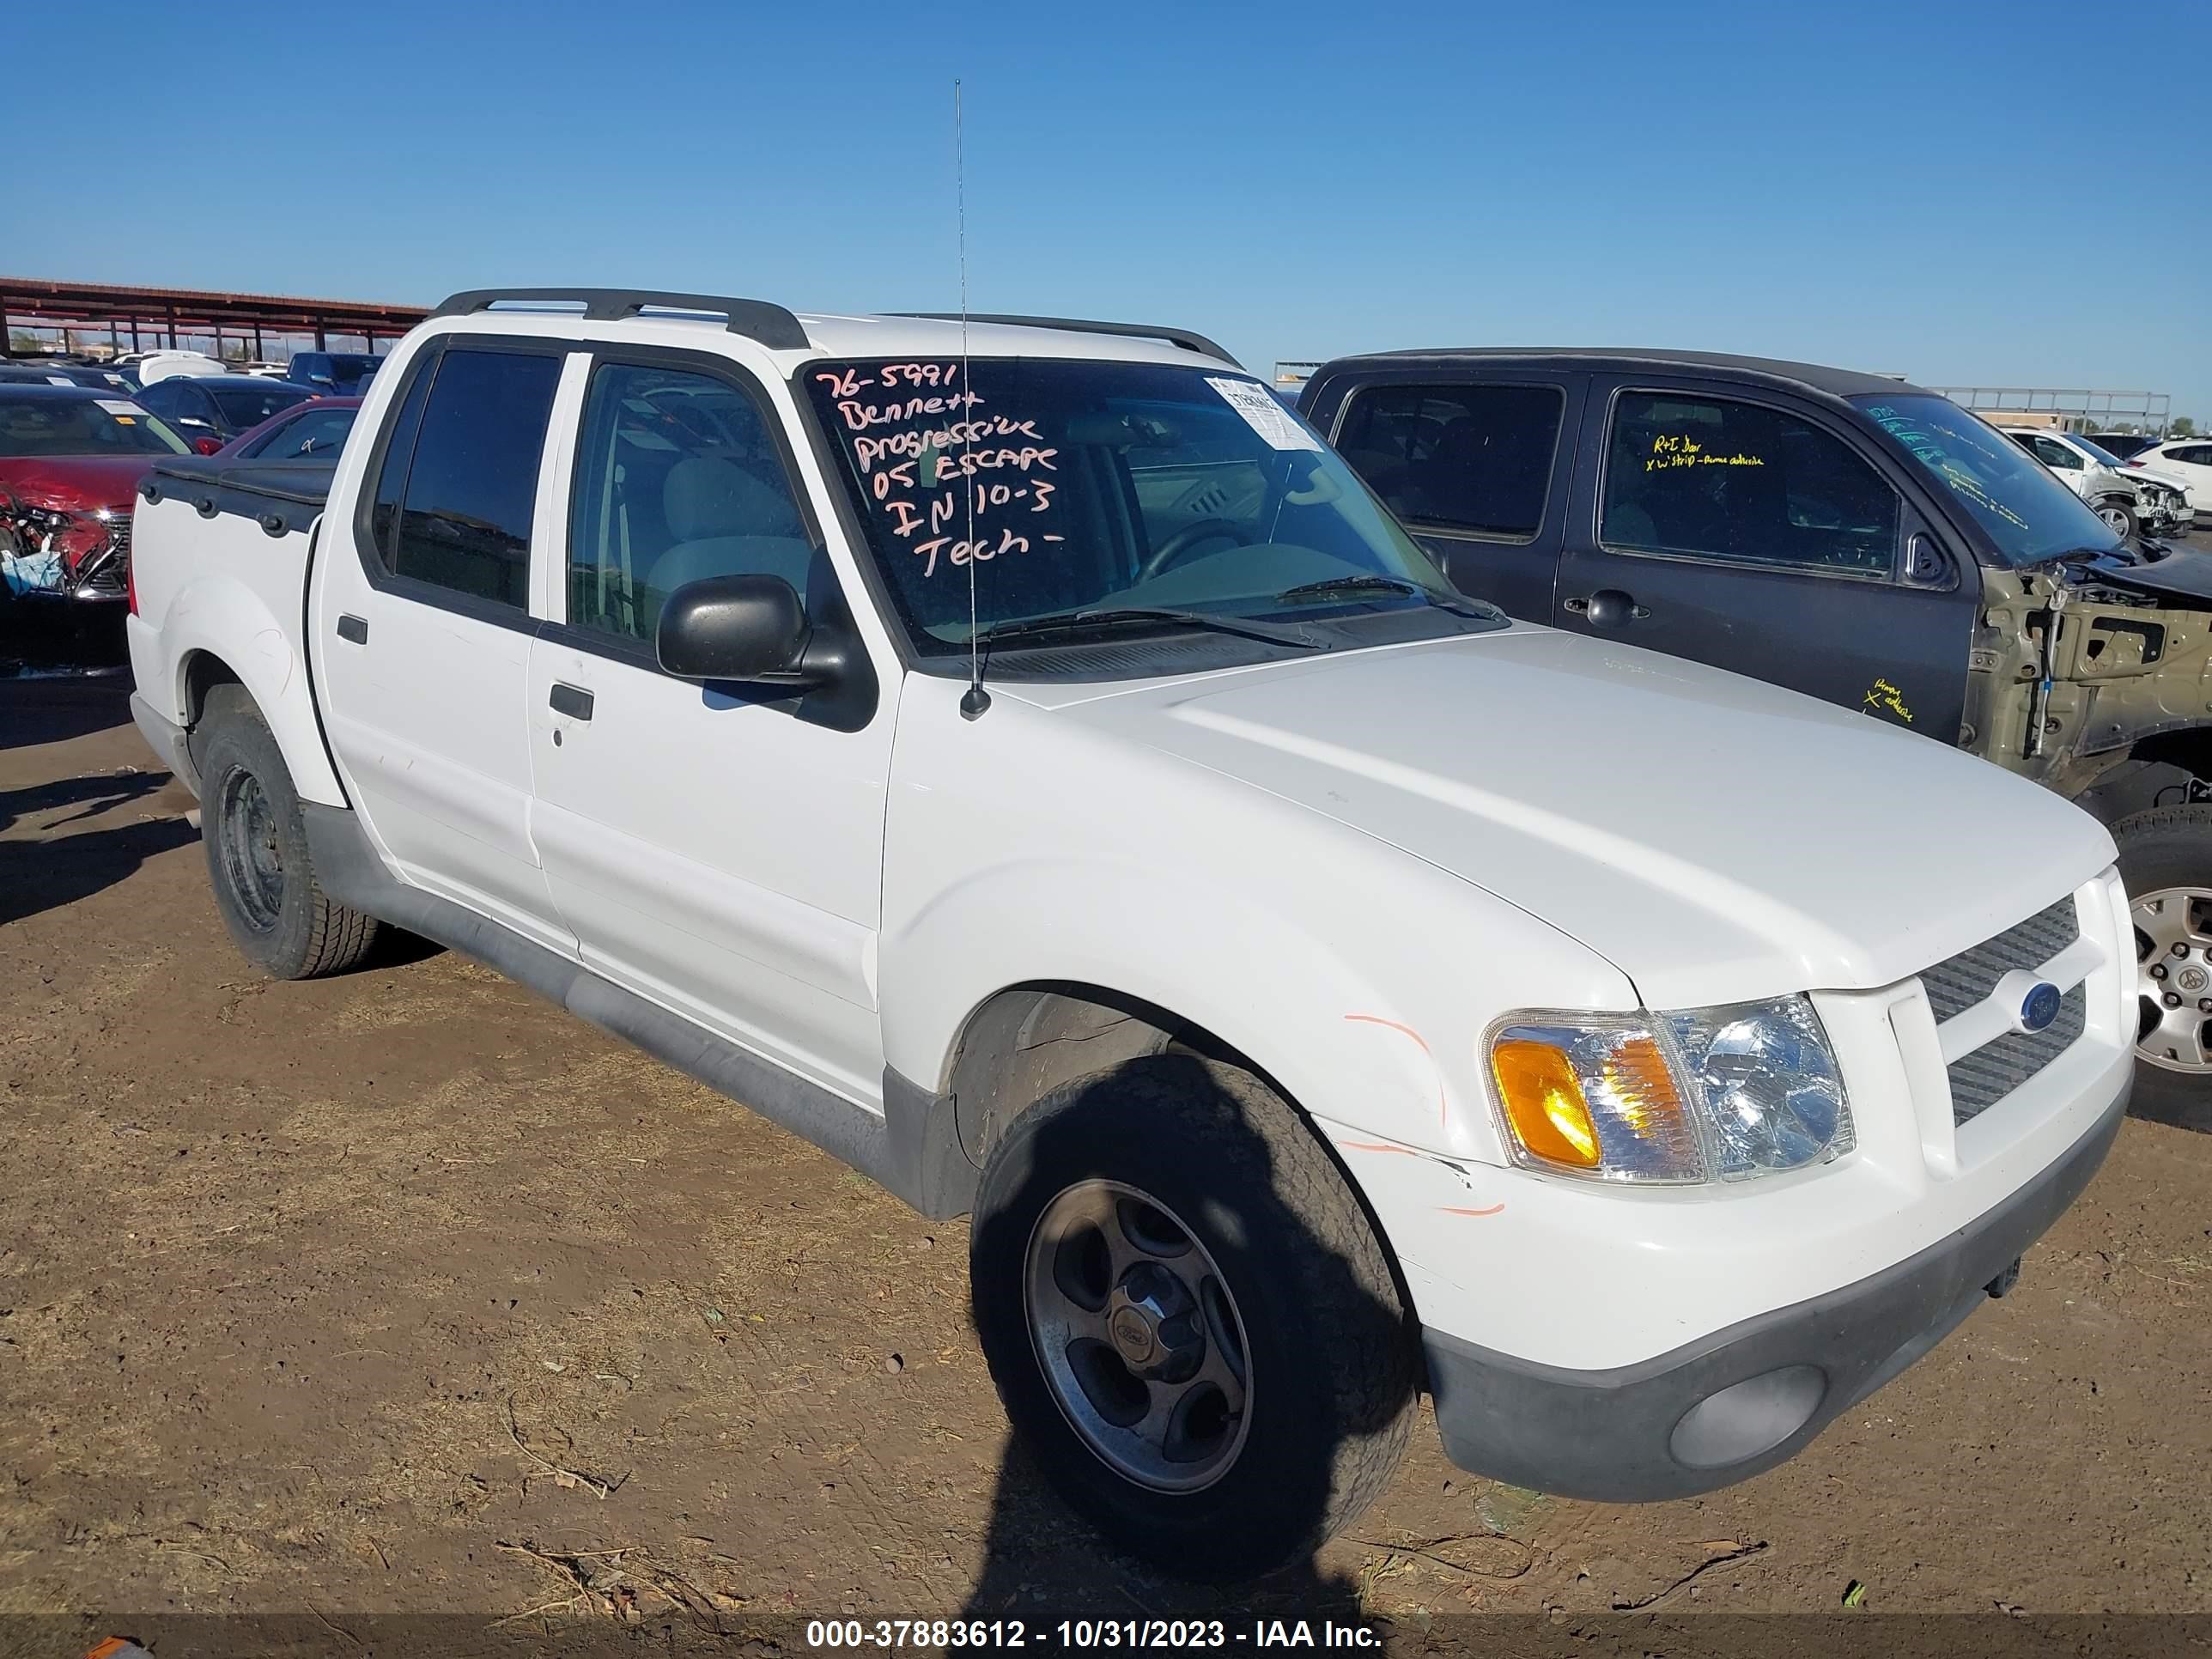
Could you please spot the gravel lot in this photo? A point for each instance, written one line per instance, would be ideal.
(404, 1292)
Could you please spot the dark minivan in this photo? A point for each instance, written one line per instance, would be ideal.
(1816, 528)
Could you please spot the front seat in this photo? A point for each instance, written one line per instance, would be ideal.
(727, 520)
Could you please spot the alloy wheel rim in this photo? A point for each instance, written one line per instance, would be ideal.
(252, 856)
(2173, 977)
(1139, 1340)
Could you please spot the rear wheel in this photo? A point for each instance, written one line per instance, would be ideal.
(257, 850)
(1195, 1329)
(2165, 860)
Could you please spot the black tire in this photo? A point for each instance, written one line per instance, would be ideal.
(2122, 517)
(257, 850)
(2166, 848)
(1329, 1353)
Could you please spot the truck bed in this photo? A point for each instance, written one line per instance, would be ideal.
(291, 491)
(219, 554)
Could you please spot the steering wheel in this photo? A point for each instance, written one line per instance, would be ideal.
(1170, 551)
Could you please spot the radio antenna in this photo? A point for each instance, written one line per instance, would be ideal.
(975, 699)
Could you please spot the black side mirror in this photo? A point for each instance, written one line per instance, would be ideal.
(748, 628)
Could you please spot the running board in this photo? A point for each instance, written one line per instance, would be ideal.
(912, 1149)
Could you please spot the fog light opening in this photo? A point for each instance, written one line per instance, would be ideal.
(1749, 1418)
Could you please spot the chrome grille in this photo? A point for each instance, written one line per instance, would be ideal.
(1957, 985)
(1993, 1071)
(106, 573)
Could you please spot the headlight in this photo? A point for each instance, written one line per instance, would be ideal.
(1731, 1092)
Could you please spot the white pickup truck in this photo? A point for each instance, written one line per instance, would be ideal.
(1017, 756)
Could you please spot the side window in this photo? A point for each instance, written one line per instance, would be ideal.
(1471, 458)
(160, 398)
(678, 478)
(462, 521)
(1724, 480)
(2051, 453)
(317, 436)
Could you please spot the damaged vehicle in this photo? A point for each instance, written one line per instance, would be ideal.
(1850, 535)
(70, 459)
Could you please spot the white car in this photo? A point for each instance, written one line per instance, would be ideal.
(2188, 460)
(157, 366)
(1021, 757)
(2124, 500)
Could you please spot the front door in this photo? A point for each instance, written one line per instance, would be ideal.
(1754, 534)
(719, 853)
(1473, 468)
(423, 625)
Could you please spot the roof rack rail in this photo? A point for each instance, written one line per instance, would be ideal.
(756, 319)
(1188, 339)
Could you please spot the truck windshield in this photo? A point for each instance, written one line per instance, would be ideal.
(81, 426)
(2025, 511)
(1074, 487)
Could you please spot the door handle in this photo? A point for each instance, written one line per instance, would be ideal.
(571, 700)
(1607, 608)
(355, 628)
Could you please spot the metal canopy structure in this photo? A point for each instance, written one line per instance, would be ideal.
(149, 317)
(2076, 409)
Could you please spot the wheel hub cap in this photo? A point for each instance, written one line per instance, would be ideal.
(2173, 978)
(1139, 1340)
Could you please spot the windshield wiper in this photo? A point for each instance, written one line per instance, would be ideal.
(1077, 622)
(1329, 588)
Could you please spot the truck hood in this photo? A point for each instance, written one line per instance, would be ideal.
(1715, 838)
(75, 482)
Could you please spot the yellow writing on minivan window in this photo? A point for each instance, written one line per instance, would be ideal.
(1669, 451)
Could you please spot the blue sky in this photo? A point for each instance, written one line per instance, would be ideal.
(1970, 193)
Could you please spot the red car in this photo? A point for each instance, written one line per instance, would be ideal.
(312, 431)
(70, 459)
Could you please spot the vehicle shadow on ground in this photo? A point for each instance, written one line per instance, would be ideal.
(60, 867)
(36, 711)
(1043, 1562)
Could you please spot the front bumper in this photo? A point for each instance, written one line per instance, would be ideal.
(1737, 1403)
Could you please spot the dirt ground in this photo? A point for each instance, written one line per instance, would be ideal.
(405, 1293)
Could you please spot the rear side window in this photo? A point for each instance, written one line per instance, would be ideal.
(460, 519)
(1713, 478)
(1470, 458)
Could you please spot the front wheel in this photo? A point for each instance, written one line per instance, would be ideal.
(1191, 1320)
(2119, 516)
(2165, 862)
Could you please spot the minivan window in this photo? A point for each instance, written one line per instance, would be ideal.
(1071, 488)
(677, 479)
(1710, 478)
(2028, 514)
(463, 522)
(1477, 458)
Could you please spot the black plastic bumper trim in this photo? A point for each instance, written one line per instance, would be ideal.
(1607, 1435)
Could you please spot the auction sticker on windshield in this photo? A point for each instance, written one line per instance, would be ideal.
(1262, 413)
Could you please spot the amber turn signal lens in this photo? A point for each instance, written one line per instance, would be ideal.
(1543, 1101)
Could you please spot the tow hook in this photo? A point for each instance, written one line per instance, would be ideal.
(2002, 1284)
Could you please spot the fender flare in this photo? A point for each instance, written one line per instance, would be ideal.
(219, 617)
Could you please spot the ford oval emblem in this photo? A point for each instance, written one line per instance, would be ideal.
(2040, 1006)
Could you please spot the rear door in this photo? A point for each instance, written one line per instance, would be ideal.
(1760, 533)
(424, 623)
(1476, 468)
